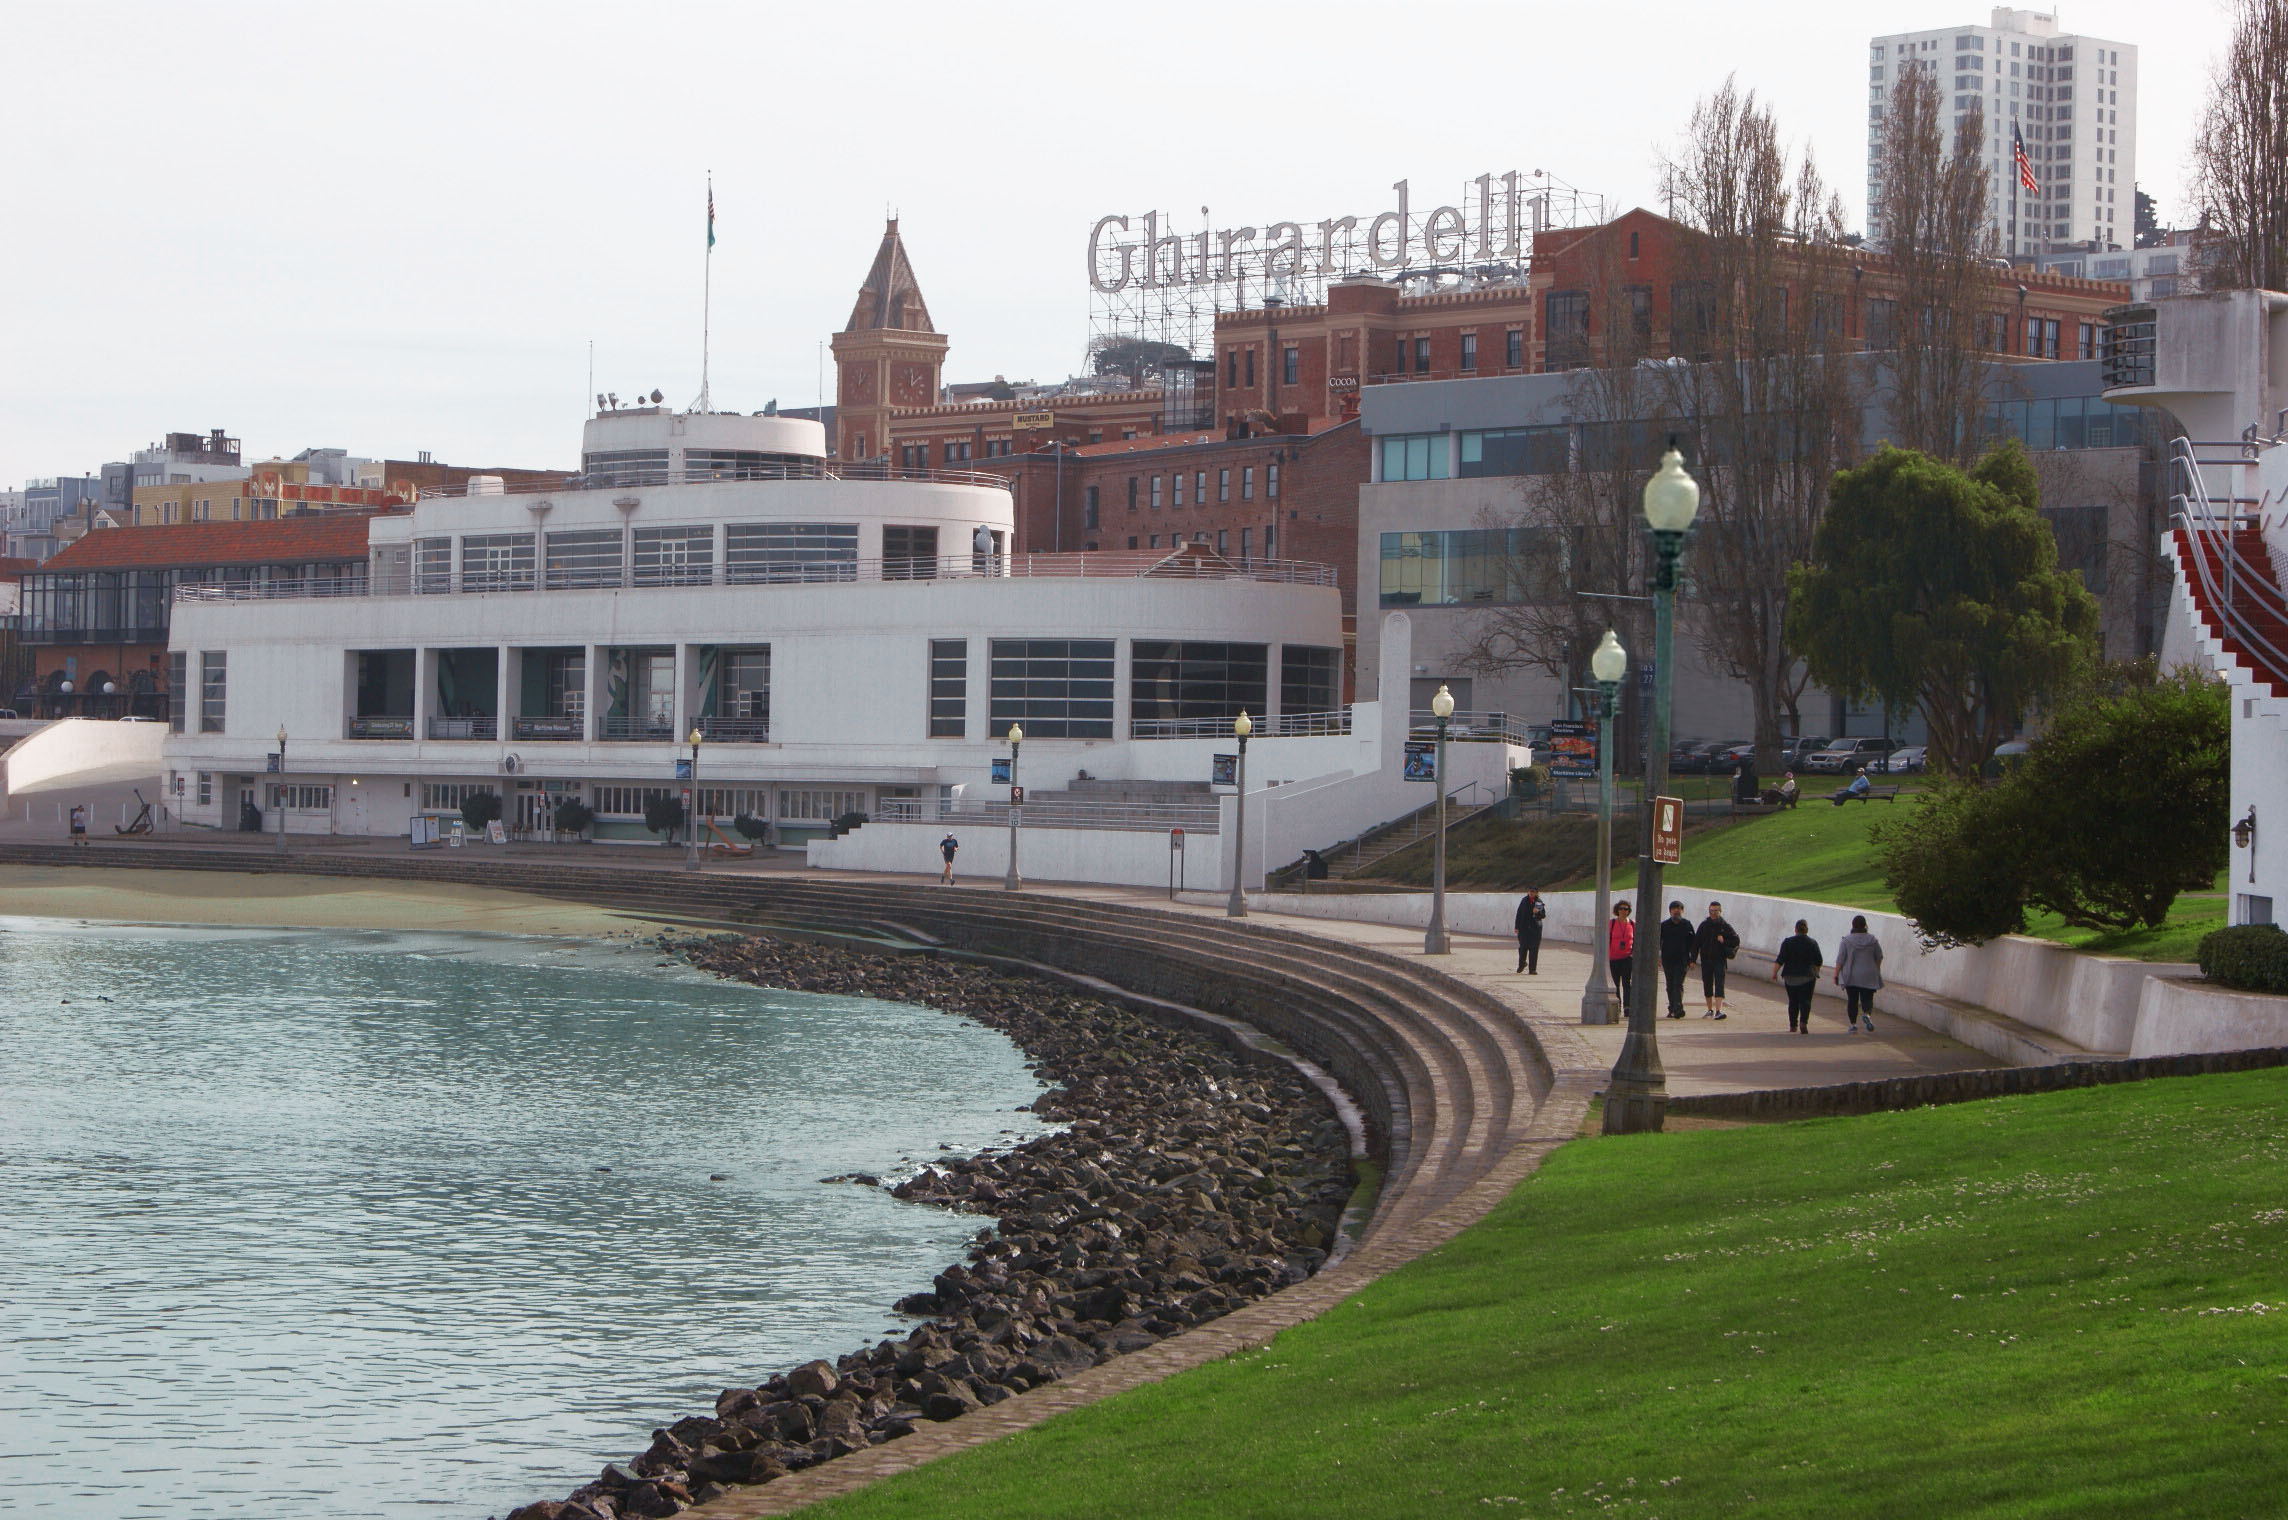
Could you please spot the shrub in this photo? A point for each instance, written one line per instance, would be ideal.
(1956, 864)
(751, 827)
(573, 816)
(1529, 783)
(479, 809)
(663, 815)
(2252, 957)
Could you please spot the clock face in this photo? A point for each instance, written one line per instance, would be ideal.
(858, 384)
(910, 385)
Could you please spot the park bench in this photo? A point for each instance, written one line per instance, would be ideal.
(1877, 794)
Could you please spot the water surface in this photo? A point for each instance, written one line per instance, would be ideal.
(320, 1223)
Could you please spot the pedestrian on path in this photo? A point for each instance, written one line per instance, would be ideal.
(1796, 968)
(1620, 951)
(1859, 972)
(1531, 910)
(1679, 943)
(79, 824)
(948, 847)
(1717, 942)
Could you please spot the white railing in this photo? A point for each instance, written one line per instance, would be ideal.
(1468, 727)
(1278, 726)
(2238, 587)
(1192, 817)
(1119, 564)
(637, 477)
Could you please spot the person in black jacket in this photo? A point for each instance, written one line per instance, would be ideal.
(1678, 945)
(1714, 943)
(1796, 967)
(1531, 910)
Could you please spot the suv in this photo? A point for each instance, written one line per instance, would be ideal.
(1846, 755)
(1794, 752)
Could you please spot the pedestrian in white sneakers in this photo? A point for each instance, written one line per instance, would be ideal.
(1859, 972)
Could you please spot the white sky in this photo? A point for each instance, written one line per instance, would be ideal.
(398, 227)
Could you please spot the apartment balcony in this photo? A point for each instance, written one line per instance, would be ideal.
(639, 729)
(557, 727)
(485, 727)
(379, 727)
(735, 730)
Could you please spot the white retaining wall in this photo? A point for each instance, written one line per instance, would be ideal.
(1120, 857)
(2178, 1017)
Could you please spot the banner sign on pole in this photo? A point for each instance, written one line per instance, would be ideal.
(1573, 748)
(1224, 771)
(1421, 760)
(1668, 830)
(1001, 765)
(683, 770)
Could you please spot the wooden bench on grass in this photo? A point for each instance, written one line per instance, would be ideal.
(1877, 794)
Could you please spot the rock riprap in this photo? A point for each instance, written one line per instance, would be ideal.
(1189, 1180)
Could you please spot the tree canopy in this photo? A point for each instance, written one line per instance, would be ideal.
(1938, 589)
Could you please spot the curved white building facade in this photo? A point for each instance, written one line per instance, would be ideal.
(844, 638)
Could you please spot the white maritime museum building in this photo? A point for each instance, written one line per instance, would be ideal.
(844, 638)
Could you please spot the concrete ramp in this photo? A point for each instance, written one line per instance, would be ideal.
(84, 754)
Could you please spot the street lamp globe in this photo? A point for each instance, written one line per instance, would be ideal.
(282, 734)
(1611, 661)
(1016, 734)
(1243, 725)
(693, 737)
(1442, 705)
(1671, 497)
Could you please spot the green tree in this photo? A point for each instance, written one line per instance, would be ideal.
(1955, 863)
(2126, 801)
(663, 815)
(479, 809)
(1938, 589)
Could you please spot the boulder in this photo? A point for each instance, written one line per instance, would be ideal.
(813, 1380)
(954, 1401)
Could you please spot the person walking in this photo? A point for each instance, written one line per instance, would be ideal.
(1620, 952)
(1679, 944)
(1531, 911)
(1716, 942)
(1859, 972)
(1796, 968)
(79, 824)
(948, 847)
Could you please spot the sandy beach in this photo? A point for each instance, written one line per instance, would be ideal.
(295, 902)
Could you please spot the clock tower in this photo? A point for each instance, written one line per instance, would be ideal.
(887, 358)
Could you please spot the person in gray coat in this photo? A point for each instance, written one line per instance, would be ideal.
(1859, 972)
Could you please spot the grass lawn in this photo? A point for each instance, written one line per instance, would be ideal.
(1817, 851)
(2070, 1305)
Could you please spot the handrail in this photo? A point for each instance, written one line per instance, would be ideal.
(1114, 564)
(2234, 578)
(1469, 727)
(1195, 817)
(1278, 726)
(636, 478)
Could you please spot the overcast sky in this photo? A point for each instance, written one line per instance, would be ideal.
(399, 227)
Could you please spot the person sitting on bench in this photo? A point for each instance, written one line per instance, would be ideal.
(1858, 789)
(1783, 795)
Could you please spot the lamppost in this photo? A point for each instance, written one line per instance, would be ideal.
(1012, 881)
(1434, 938)
(1608, 664)
(691, 814)
(281, 845)
(1636, 1095)
(1241, 727)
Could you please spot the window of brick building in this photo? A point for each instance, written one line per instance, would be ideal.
(1251, 367)
(1200, 488)
(1155, 493)
(1565, 326)
(1290, 365)
(1088, 510)
(1469, 351)
(1131, 493)
(1247, 484)
(1223, 540)
(1346, 354)
(1513, 354)
(1178, 478)
(1271, 481)
(1230, 367)
(1223, 485)
(1422, 356)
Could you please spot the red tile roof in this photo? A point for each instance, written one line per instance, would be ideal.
(16, 569)
(1149, 441)
(174, 546)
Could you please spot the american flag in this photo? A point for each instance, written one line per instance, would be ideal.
(2024, 161)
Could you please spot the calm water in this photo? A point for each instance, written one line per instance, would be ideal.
(316, 1223)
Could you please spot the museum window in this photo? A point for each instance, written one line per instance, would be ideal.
(1422, 356)
(1057, 688)
(178, 693)
(909, 553)
(1310, 678)
(774, 553)
(1194, 681)
(432, 566)
(1414, 456)
(1469, 351)
(497, 562)
(675, 556)
(214, 689)
(586, 558)
(949, 688)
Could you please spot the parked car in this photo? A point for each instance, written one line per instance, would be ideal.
(7, 712)
(2008, 755)
(1846, 755)
(1905, 760)
(1793, 752)
(1685, 757)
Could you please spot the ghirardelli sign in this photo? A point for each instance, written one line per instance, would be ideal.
(1148, 253)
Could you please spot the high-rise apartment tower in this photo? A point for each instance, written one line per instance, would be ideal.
(2073, 100)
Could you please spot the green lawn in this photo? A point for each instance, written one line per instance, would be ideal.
(2070, 1305)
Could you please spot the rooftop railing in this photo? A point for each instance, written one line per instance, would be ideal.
(1469, 727)
(1193, 817)
(1102, 565)
(637, 477)
(1280, 726)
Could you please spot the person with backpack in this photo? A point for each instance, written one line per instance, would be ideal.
(1796, 968)
(947, 847)
(1859, 972)
(1620, 952)
(1679, 944)
(1715, 942)
(1531, 911)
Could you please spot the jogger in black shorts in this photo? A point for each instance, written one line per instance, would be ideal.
(1717, 942)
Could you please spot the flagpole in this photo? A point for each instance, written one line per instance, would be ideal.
(707, 296)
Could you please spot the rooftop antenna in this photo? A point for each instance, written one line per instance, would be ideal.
(707, 296)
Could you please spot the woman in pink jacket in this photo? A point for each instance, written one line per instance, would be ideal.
(1620, 951)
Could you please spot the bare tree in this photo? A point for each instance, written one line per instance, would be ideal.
(1938, 231)
(2240, 154)
(1772, 401)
